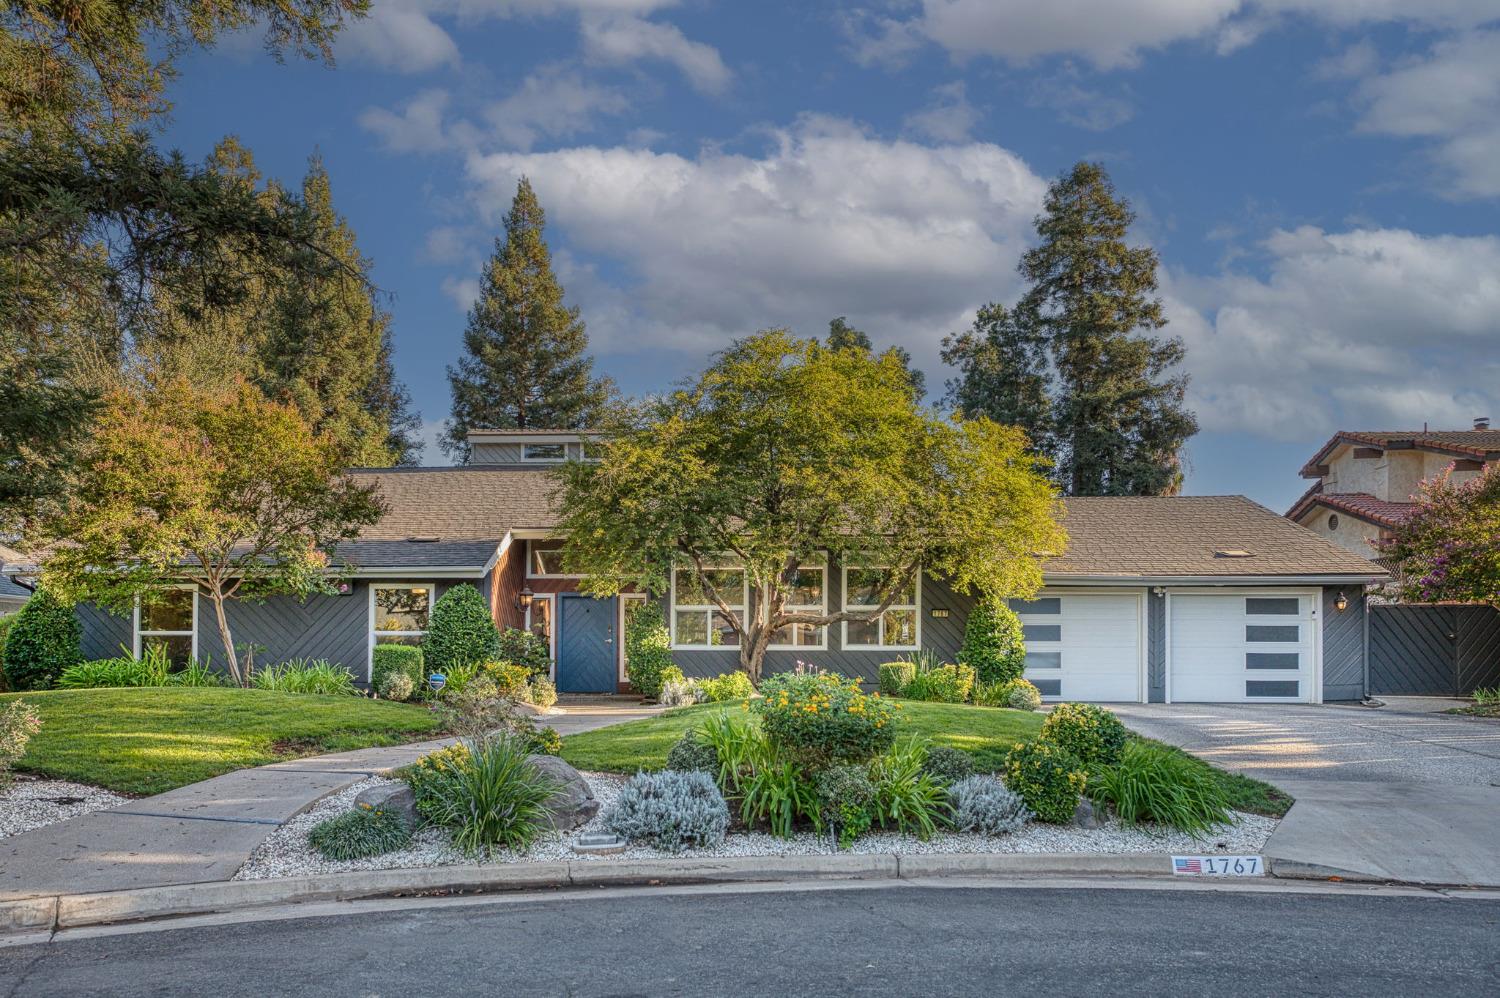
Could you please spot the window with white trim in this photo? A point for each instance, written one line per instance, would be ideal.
(401, 612)
(544, 560)
(898, 627)
(539, 616)
(544, 452)
(808, 594)
(697, 621)
(169, 621)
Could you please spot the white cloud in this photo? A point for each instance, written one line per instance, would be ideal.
(949, 117)
(1078, 105)
(624, 39)
(418, 126)
(446, 244)
(400, 35)
(1114, 33)
(1451, 95)
(1359, 59)
(901, 237)
(462, 291)
(1374, 328)
(553, 102)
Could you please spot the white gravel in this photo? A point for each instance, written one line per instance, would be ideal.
(286, 852)
(31, 803)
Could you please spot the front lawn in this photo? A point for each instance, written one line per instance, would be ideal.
(145, 741)
(985, 732)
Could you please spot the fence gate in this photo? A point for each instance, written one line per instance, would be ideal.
(1433, 650)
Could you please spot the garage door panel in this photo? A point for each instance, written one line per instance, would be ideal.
(1236, 648)
(1084, 647)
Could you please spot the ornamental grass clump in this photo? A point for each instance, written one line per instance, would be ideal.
(1049, 779)
(489, 796)
(1091, 734)
(895, 677)
(670, 811)
(907, 798)
(823, 719)
(1155, 783)
(360, 833)
(300, 675)
(984, 805)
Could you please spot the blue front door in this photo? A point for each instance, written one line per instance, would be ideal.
(585, 644)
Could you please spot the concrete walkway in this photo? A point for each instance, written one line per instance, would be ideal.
(205, 831)
(1403, 792)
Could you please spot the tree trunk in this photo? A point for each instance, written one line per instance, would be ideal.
(227, 638)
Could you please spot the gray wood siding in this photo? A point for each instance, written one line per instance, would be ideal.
(943, 636)
(282, 628)
(1156, 647)
(104, 634)
(1343, 644)
(1478, 648)
(495, 454)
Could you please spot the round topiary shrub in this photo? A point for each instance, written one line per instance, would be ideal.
(846, 801)
(1019, 694)
(693, 754)
(947, 765)
(992, 642)
(648, 649)
(983, 804)
(43, 641)
(823, 719)
(460, 631)
(671, 811)
(389, 657)
(1049, 779)
(1091, 734)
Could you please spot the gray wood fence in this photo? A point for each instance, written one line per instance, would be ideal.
(1433, 650)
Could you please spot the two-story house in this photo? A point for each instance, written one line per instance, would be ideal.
(1365, 480)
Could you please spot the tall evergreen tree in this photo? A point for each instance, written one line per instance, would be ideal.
(525, 364)
(842, 336)
(1114, 421)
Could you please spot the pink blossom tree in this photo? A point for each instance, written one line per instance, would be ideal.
(1448, 549)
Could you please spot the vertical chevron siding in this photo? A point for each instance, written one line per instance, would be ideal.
(1156, 647)
(1343, 644)
(1435, 650)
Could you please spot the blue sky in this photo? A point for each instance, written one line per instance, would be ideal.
(1320, 178)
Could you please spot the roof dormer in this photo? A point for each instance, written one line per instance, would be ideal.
(529, 448)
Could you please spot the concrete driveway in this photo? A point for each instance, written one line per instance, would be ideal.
(1410, 739)
(1400, 793)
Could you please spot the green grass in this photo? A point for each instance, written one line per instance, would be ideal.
(987, 733)
(145, 741)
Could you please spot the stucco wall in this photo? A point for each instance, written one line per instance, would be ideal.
(1347, 473)
(1352, 533)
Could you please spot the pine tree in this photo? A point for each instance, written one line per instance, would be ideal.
(1106, 403)
(842, 336)
(1003, 374)
(525, 364)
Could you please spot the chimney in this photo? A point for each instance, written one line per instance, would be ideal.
(1481, 422)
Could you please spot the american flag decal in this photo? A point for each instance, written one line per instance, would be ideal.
(1184, 864)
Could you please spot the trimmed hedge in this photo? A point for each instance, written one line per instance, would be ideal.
(42, 642)
(1092, 734)
(460, 631)
(992, 642)
(1049, 779)
(390, 658)
(648, 649)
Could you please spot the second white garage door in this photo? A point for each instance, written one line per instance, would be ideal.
(1249, 647)
(1084, 647)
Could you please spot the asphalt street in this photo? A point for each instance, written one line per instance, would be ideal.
(907, 940)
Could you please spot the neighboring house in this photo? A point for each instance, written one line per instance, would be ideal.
(1365, 480)
(1160, 599)
(13, 592)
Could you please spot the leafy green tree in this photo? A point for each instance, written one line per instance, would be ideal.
(460, 631)
(842, 336)
(783, 450)
(1003, 375)
(993, 643)
(525, 363)
(43, 641)
(1115, 421)
(224, 490)
(1448, 547)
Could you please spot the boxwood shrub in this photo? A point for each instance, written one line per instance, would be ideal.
(460, 631)
(390, 658)
(648, 649)
(1091, 734)
(1049, 779)
(992, 642)
(43, 641)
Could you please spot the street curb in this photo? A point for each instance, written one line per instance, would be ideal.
(1290, 869)
(70, 911)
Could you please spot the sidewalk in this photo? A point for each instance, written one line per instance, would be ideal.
(206, 831)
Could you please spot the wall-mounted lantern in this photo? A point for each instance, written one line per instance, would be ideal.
(523, 599)
(1341, 602)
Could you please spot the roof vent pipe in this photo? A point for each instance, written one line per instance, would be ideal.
(1481, 422)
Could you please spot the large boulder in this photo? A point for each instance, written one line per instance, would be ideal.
(575, 804)
(396, 797)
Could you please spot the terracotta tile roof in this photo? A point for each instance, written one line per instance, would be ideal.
(1483, 444)
(1185, 536)
(1365, 506)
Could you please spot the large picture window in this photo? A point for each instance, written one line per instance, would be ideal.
(400, 612)
(168, 621)
(898, 627)
(697, 622)
(809, 594)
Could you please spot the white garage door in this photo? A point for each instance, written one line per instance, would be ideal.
(1085, 647)
(1241, 648)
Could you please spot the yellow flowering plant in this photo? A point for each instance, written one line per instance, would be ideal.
(825, 719)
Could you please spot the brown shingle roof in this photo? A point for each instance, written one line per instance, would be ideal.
(468, 503)
(1177, 537)
(1460, 443)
